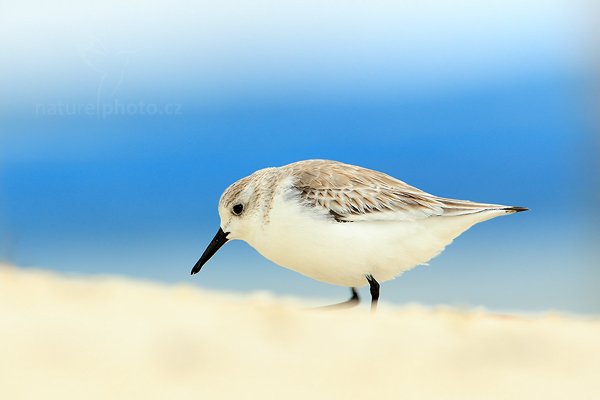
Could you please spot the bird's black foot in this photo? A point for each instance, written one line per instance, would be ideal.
(374, 292)
(352, 302)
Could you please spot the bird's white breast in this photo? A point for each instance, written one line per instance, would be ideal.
(342, 253)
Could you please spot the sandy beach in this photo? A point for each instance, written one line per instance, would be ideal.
(117, 338)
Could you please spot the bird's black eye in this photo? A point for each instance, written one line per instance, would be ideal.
(237, 209)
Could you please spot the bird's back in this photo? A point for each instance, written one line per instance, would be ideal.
(351, 193)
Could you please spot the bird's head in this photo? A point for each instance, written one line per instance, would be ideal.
(238, 208)
(240, 211)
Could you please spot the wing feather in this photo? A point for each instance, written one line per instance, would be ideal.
(351, 193)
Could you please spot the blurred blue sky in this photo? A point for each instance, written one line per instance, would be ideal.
(121, 124)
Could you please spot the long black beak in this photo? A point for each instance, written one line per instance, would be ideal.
(219, 240)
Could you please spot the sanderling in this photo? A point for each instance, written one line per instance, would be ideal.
(342, 224)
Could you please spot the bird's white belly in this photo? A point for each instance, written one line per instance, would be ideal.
(344, 253)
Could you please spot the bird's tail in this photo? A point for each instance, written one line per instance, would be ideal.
(462, 207)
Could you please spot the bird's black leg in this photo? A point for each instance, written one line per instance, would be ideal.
(354, 298)
(353, 301)
(374, 291)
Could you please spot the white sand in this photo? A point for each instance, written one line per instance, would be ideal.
(113, 338)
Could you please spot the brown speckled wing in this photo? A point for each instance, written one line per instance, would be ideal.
(351, 193)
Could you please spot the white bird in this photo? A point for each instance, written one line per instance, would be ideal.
(342, 224)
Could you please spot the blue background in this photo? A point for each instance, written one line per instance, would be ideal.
(122, 124)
